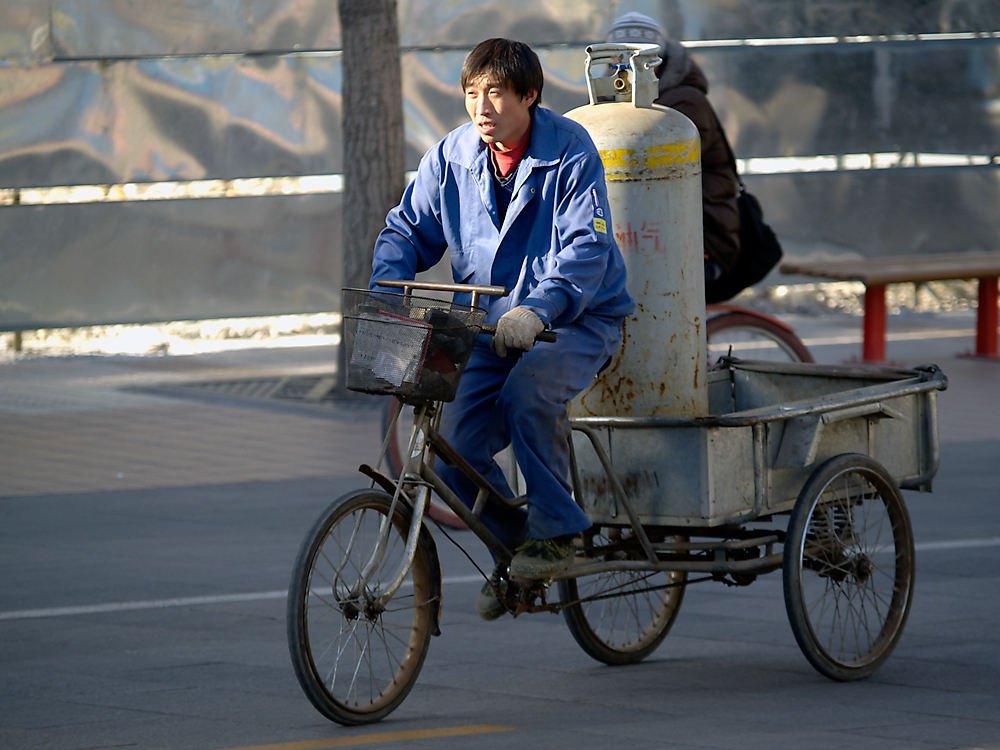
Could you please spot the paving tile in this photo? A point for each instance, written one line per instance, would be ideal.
(179, 445)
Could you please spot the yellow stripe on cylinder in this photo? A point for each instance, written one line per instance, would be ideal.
(655, 162)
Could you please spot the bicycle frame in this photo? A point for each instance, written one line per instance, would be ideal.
(426, 442)
(664, 556)
(423, 432)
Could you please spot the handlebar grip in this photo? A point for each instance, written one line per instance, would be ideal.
(547, 336)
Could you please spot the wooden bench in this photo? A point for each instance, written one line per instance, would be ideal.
(876, 273)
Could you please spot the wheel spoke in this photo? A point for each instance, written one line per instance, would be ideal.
(348, 638)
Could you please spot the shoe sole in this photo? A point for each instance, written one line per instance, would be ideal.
(491, 613)
(489, 607)
(534, 572)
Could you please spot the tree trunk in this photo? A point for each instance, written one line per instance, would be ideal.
(373, 128)
(373, 131)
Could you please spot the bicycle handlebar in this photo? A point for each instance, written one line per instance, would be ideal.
(548, 336)
(437, 286)
(491, 291)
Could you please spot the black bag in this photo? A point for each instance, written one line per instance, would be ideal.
(760, 250)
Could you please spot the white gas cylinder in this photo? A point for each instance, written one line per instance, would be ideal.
(652, 165)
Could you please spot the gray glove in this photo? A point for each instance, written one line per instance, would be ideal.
(517, 329)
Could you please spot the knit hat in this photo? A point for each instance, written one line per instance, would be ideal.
(635, 28)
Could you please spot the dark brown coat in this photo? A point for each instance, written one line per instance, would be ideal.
(684, 87)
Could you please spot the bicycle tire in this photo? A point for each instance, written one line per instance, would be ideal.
(753, 337)
(354, 662)
(631, 623)
(848, 567)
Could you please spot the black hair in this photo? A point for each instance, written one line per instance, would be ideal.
(511, 63)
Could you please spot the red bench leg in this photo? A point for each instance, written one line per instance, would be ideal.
(873, 346)
(986, 319)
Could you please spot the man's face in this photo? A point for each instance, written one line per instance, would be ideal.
(499, 114)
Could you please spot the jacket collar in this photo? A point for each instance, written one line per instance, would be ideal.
(471, 151)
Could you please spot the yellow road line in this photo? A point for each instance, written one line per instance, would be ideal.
(372, 739)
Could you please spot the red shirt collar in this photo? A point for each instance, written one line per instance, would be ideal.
(507, 161)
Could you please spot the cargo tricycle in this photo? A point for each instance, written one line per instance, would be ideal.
(798, 467)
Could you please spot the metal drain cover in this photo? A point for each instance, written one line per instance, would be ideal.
(310, 389)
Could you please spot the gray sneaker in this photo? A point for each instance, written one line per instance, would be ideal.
(541, 558)
(488, 605)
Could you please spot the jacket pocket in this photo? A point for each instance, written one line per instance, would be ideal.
(463, 267)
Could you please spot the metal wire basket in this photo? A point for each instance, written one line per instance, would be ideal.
(406, 346)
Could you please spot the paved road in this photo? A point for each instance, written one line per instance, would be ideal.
(152, 615)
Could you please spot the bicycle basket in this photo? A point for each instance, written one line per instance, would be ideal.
(406, 346)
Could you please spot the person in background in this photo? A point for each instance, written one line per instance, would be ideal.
(518, 196)
(684, 87)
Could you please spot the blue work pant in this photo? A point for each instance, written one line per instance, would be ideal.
(520, 400)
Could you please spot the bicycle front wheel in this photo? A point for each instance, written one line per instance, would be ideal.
(355, 659)
(627, 614)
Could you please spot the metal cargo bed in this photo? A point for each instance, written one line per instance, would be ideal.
(771, 424)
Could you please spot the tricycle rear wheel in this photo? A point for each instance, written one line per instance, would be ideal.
(848, 567)
(631, 612)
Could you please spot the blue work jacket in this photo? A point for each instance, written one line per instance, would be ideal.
(555, 250)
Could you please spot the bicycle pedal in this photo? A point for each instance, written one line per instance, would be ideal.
(531, 594)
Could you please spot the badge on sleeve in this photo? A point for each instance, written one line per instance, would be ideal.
(600, 224)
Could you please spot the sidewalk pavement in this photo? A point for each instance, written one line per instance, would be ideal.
(90, 424)
(85, 424)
